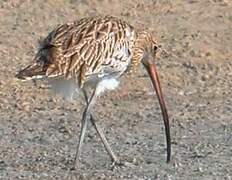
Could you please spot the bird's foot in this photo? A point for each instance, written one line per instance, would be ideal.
(75, 164)
(119, 163)
(73, 167)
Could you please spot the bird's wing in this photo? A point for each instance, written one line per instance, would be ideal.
(83, 47)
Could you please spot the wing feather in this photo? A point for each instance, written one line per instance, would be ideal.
(82, 47)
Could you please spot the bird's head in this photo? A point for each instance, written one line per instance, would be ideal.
(146, 48)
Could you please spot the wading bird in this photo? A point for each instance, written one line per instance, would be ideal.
(95, 52)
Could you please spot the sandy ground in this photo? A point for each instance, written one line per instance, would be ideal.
(39, 131)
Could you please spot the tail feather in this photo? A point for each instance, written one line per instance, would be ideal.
(34, 71)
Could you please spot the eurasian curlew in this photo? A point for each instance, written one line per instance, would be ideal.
(95, 52)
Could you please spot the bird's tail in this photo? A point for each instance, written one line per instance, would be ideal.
(34, 71)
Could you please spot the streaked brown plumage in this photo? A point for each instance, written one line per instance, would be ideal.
(95, 51)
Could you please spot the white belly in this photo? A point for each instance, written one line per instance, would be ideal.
(63, 87)
(106, 84)
(67, 88)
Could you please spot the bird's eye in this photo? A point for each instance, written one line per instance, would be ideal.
(155, 48)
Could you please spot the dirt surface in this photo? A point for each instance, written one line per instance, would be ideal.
(39, 131)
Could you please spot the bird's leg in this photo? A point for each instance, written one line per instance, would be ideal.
(101, 134)
(90, 101)
(104, 141)
(85, 96)
(113, 157)
(84, 120)
(82, 135)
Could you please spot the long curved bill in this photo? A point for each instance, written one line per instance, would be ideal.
(156, 84)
